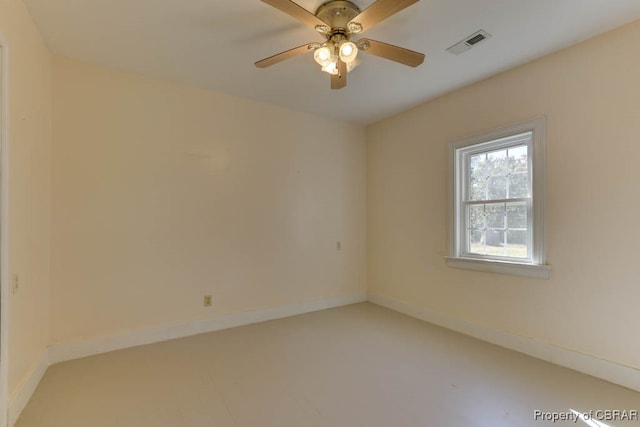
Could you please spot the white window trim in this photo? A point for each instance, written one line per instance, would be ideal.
(536, 267)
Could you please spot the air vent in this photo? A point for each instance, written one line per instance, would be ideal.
(469, 42)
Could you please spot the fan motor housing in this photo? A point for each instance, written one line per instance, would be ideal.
(338, 13)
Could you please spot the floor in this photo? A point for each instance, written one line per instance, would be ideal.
(360, 365)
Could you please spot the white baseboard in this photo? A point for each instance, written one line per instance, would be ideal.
(75, 350)
(19, 400)
(609, 371)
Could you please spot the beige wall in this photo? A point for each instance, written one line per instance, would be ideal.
(590, 94)
(164, 193)
(29, 151)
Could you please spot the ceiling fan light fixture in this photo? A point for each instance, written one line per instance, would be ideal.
(338, 21)
(348, 52)
(323, 55)
(331, 68)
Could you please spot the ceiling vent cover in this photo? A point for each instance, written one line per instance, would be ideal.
(469, 42)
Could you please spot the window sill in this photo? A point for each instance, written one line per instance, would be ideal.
(537, 271)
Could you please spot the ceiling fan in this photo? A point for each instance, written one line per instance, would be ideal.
(338, 21)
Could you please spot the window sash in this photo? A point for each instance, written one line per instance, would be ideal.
(465, 241)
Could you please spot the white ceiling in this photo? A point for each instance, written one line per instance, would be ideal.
(214, 43)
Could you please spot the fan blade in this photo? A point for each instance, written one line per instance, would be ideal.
(283, 56)
(394, 53)
(338, 81)
(380, 10)
(295, 10)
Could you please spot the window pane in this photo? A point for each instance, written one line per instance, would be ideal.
(478, 177)
(495, 215)
(517, 244)
(476, 216)
(519, 185)
(518, 158)
(494, 242)
(476, 245)
(497, 162)
(478, 189)
(476, 162)
(517, 215)
(497, 187)
(518, 171)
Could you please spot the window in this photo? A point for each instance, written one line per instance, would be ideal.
(497, 195)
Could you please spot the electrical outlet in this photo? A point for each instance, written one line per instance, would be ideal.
(208, 300)
(15, 284)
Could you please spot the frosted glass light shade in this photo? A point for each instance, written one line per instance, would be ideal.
(331, 68)
(322, 56)
(348, 52)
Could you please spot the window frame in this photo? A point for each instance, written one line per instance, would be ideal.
(461, 150)
(463, 158)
